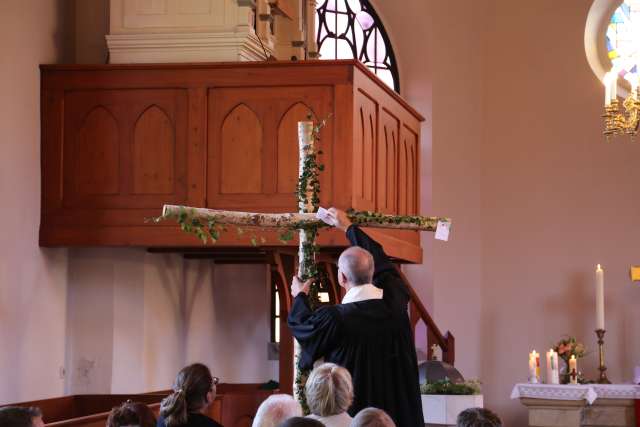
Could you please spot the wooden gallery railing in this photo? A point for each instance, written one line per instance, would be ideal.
(282, 267)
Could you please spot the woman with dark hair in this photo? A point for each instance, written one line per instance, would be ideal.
(193, 393)
(131, 414)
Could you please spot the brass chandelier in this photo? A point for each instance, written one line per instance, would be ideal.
(620, 118)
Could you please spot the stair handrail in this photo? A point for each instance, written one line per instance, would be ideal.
(447, 341)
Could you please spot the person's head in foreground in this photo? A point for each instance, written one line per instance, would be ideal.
(329, 390)
(372, 417)
(355, 267)
(301, 422)
(17, 416)
(131, 414)
(276, 409)
(478, 417)
(194, 390)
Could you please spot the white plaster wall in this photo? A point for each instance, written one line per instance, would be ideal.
(136, 318)
(32, 280)
(440, 65)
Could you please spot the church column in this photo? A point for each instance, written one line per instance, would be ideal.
(310, 18)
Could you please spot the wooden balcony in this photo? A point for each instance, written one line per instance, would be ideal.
(119, 141)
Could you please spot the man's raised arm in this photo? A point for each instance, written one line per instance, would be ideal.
(357, 237)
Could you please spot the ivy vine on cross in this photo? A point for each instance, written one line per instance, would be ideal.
(208, 224)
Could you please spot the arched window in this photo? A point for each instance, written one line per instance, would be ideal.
(612, 39)
(623, 37)
(347, 29)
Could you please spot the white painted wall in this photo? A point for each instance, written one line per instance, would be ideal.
(536, 196)
(136, 318)
(32, 280)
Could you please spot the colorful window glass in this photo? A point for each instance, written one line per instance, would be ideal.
(623, 37)
(347, 29)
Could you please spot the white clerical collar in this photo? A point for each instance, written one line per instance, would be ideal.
(362, 293)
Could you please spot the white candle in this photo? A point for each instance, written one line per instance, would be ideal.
(599, 297)
(553, 374)
(573, 367)
(555, 379)
(533, 378)
(633, 81)
(606, 80)
(614, 86)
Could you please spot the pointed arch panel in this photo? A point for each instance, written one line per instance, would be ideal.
(241, 144)
(154, 145)
(97, 153)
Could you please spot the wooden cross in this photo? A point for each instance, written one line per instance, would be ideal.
(205, 223)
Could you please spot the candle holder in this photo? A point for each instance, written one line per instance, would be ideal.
(622, 122)
(602, 368)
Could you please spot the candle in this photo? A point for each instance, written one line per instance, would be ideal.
(614, 85)
(633, 81)
(573, 369)
(606, 80)
(534, 367)
(599, 297)
(553, 374)
(555, 371)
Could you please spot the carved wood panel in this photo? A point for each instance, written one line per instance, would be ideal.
(364, 152)
(387, 162)
(241, 152)
(288, 148)
(154, 133)
(124, 149)
(408, 172)
(253, 146)
(98, 145)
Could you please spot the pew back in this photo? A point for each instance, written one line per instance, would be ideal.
(234, 406)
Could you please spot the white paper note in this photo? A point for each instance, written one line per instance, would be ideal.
(323, 215)
(442, 230)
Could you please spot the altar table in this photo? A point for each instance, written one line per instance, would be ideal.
(579, 405)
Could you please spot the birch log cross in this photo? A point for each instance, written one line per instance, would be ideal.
(208, 223)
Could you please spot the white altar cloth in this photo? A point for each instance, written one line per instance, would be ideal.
(588, 392)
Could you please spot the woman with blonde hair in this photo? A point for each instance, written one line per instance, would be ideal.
(193, 393)
(329, 393)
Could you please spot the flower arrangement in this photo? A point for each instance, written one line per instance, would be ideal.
(567, 347)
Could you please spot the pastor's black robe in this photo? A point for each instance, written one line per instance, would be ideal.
(371, 338)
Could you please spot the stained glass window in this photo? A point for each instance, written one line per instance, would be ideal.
(347, 29)
(623, 37)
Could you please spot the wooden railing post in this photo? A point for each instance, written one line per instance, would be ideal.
(285, 362)
(449, 353)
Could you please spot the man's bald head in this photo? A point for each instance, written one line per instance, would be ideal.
(357, 266)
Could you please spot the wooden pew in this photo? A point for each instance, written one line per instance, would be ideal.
(234, 406)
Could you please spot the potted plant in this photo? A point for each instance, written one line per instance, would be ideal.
(443, 400)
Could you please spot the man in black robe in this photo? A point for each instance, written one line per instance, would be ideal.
(369, 333)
